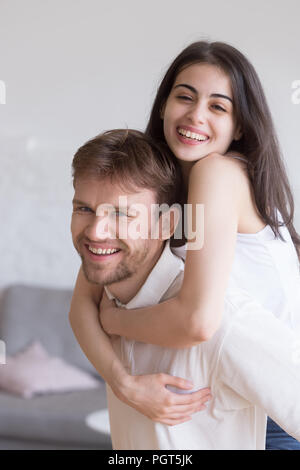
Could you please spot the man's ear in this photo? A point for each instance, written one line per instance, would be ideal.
(168, 222)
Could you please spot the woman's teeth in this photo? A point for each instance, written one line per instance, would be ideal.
(101, 251)
(192, 135)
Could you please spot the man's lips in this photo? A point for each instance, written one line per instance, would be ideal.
(103, 246)
(100, 257)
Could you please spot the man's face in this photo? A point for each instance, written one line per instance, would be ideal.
(99, 223)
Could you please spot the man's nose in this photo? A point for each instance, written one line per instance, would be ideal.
(100, 228)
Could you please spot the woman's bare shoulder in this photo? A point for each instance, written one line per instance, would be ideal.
(233, 173)
(227, 167)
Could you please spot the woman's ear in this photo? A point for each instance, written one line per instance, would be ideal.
(162, 111)
(238, 133)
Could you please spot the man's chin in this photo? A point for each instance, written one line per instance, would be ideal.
(95, 276)
(103, 277)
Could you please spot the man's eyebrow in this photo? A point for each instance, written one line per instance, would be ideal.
(82, 203)
(77, 201)
(213, 95)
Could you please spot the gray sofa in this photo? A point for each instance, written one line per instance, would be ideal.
(57, 420)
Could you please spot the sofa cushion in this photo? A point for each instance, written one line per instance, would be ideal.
(53, 418)
(32, 371)
(29, 313)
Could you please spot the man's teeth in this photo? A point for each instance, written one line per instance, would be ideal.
(192, 135)
(99, 251)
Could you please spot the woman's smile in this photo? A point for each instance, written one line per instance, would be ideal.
(198, 115)
(191, 136)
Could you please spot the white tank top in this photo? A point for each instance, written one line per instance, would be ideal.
(268, 269)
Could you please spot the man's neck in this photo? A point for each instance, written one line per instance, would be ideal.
(125, 290)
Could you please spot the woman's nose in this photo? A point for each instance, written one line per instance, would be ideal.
(197, 114)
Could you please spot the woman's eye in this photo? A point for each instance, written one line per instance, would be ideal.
(219, 108)
(184, 98)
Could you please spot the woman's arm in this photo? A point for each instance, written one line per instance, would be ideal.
(94, 342)
(194, 315)
(146, 393)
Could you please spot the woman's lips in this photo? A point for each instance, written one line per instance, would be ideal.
(189, 141)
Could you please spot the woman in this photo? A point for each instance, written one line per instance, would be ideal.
(211, 111)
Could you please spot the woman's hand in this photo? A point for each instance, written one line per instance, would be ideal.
(148, 395)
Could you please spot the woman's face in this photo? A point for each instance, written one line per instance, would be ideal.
(198, 115)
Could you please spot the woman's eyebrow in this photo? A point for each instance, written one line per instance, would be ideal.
(219, 95)
(213, 95)
(191, 88)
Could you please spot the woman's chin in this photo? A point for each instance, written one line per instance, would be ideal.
(190, 158)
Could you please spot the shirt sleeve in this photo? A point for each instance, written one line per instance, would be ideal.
(260, 361)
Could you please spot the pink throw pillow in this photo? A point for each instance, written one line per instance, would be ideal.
(33, 371)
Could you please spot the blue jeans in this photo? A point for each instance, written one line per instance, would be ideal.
(278, 439)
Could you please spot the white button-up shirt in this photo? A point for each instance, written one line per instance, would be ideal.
(251, 364)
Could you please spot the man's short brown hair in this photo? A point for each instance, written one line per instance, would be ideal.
(132, 160)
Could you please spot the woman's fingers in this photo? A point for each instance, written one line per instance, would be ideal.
(176, 381)
(173, 422)
(184, 384)
(198, 397)
(150, 396)
(182, 411)
(188, 409)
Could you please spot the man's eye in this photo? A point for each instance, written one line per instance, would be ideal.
(82, 209)
(121, 214)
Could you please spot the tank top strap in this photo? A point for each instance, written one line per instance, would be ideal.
(240, 158)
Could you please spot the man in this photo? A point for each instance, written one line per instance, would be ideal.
(125, 246)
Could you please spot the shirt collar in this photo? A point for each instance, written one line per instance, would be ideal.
(157, 283)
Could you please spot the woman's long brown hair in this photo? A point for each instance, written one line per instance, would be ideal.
(258, 143)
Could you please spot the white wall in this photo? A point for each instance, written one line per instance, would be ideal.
(73, 68)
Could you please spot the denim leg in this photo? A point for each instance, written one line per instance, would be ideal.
(278, 439)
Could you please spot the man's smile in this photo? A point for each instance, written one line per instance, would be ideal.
(101, 254)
